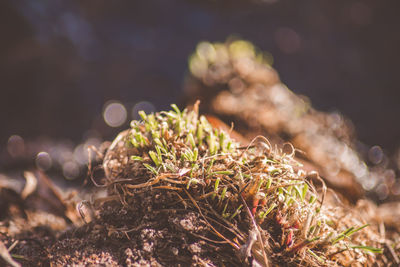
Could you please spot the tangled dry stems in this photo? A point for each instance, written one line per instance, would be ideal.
(257, 198)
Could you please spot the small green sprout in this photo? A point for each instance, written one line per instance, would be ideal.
(195, 154)
(134, 142)
(212, 146)
(224, 213)
(223, 172)
(159, 144)
(137, 158)
(237, 211)
(264, 214)
(222, 141)
(304, 191)
(143, 115)
(319, 259)
(216, 184)
(178, 112)
(150, 168)
(190, 155)
(210, 165)
(223, 193)
(269, 182)
(347, 233)
(368, 249)
(157, 161)
(190, 139)
(312, 199)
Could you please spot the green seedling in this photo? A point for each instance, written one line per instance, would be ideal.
(319, 259)
(176, 109)
(312, 199)
(347, 233)
(223, 172)
(264, 214)
(191, 141)
(154, 157)
(216, 184)
(224, 213)
(269, 182)
(143, 115)
(210, 166)
(212, 146)
(304, 191)
(223, 193)
(137, 158)
(368, 249)
(151, 168)
(237, 211)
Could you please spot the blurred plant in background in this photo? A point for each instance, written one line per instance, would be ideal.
(236, 82)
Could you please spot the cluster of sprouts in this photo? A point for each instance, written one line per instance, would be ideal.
(255, 198)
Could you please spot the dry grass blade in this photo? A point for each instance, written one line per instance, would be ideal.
(5, 255)
(30, 185)
(212, 227)
(255, 231)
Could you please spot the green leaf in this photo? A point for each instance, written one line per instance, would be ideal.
(369, 249)
(195, 154)
(216, 184)
(136, 158)
(237, 211)
(211, 144)
(150, 168)
(223, 193)
(175, 107)
(348, 232)
(312, 253)
(269, 182)
(191, 141)
(304, 192)
(210, 166)
(142, 114)
(264, 214)
(154, 157)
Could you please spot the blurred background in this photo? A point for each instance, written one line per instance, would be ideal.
(74, 73)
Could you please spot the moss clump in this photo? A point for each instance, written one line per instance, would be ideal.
(256, 198)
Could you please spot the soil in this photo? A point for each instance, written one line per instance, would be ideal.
(145, 232)
(153, 228)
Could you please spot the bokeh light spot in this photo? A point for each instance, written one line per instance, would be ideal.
(375, 154)
(287, 40)
(383, 191)
(70, 170)
(43, 161)
(16, 146)
(396, 188)
(369, 182)
(114, 114)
